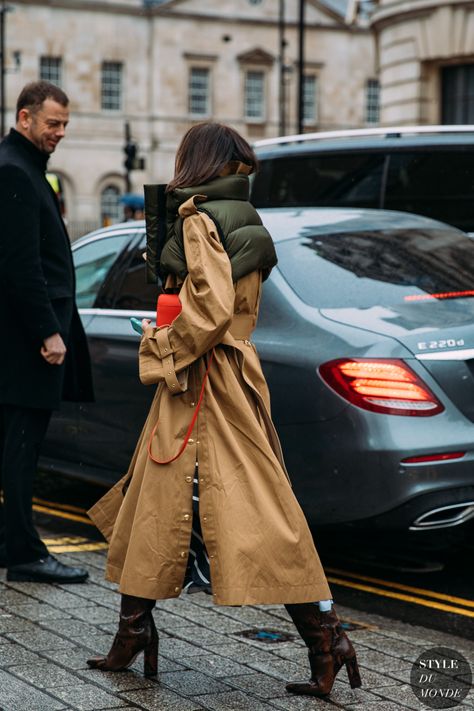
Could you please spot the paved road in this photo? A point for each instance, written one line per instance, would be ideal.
(418, 578)
(206, 659)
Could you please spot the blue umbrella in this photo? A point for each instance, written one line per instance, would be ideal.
(133, 200)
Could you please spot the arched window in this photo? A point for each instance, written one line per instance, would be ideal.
(110, 208)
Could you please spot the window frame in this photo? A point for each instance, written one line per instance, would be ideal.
(314, 119)
(262, 118)
(191, 91)
(107, 86)
(109, 187)
(371, 104)
(457, 100)
(46, 63)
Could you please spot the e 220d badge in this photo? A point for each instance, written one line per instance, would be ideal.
(442, 343)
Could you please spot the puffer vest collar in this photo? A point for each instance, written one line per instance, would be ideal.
(226, 200)
(230, 187)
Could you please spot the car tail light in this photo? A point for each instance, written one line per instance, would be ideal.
(422, 458)
(387, 386)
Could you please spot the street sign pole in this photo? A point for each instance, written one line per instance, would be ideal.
(3, 10)
(282, 46)
(128, 183)
(301, 64)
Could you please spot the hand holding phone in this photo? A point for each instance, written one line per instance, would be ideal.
(137, 325)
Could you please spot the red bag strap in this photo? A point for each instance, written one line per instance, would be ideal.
(191, 425)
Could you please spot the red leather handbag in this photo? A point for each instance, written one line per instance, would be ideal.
(168, 307)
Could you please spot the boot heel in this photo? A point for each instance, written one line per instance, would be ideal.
(150, 661)
(353, 673)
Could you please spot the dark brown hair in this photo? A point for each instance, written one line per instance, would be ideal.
(204, 152)
(35, 93)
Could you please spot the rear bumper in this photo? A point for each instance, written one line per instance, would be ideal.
(430, 512)
(338, 478)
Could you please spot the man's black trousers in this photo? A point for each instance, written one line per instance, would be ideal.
(22, 431)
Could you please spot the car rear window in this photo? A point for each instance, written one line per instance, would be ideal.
(352, 180)
(383, 268)
(434, 183)
(438, 185)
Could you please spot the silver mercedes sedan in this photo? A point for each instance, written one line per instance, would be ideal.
(366, 337)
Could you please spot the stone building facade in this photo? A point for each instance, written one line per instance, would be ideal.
(426, 61)
(161, 65)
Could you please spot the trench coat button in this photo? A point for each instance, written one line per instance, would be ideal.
(192, 404)
(212, 555)
(183, 554)
(201, 480)
(176, 589)
(191, 441)
(204, 518)
(189, 479)
(186, 517)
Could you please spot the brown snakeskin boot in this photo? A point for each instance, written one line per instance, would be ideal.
(329, 648)
(136, 633)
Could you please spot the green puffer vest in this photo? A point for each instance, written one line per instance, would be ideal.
(226, 201)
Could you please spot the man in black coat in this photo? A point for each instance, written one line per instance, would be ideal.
(43, 356)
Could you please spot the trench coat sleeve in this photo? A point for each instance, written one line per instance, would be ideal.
(207, 297)
(20, 257)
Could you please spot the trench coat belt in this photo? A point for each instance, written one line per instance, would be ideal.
(241, 329)
(242, 326)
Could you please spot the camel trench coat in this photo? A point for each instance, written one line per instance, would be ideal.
(259, 545)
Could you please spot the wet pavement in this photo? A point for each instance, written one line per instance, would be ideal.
(207, 660)
(426, 578)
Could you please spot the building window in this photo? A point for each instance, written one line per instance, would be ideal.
(110, 208)
(50, 69)
(458, 94)
(111, 88)
(310, 99)
(254, 96)
(372, 101)
(198, 91)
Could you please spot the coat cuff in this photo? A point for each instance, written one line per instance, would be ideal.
(176, 383)
(47, 328)
(166, 354)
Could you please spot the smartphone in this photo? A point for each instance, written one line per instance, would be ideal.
(137, 325)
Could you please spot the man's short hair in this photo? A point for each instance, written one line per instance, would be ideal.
(35, 93)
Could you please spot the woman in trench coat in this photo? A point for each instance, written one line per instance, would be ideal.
(207, 503)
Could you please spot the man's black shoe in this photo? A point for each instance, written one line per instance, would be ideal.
(46, 570)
